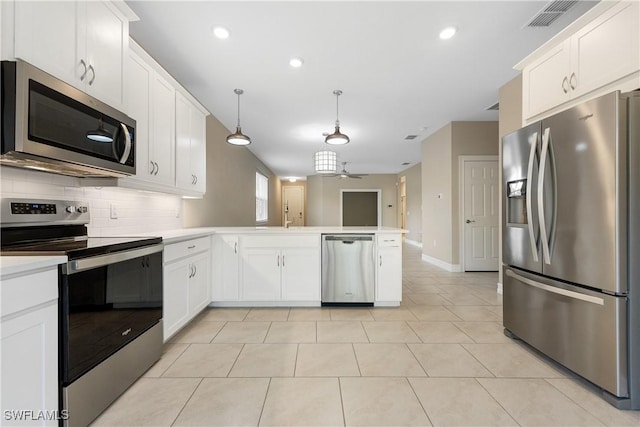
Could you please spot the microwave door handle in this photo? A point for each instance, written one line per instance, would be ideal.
(532, 233)
(127, 144)
(543, 225)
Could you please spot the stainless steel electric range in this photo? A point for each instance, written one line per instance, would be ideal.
(110, 300)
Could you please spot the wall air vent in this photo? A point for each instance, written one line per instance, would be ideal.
(552, 11)
(410, 137)
(494, 107)
(406, 163)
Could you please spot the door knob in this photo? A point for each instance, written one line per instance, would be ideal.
(469, 221)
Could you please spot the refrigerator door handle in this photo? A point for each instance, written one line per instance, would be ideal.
(532, 233)
(553, 289)
(544, 239)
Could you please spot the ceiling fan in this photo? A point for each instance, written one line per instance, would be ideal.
(345, 174)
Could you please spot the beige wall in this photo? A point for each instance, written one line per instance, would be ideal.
(323, 197)
(413, 183)
(510, 119)
(231, 175)
(440, 187)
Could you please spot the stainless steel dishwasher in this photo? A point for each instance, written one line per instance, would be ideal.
(348, 269)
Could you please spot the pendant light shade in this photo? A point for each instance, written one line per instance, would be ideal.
(337, 138)
(238, 138)
(326, 162)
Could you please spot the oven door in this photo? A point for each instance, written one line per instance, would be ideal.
(107, 301)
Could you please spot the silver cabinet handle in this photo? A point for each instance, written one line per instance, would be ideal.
(195, 270)
(573, 81)
(380, 260)
(469, 221)
(153, 167)
(543, 226)
(157, 168)
(565, 85)
(283, 260)
(196, 179)
(127, 144)
(235, 247)
(84, 64)
(278, 260)
(191, 247)
(93, 75)
(529, 203)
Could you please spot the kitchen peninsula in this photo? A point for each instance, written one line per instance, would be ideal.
(262, 267)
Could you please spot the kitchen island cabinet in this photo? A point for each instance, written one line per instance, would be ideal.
(30, 339)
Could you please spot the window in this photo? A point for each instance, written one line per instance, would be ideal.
(262, 198)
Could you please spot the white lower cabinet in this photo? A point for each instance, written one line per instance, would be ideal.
(280, 268)
(226, 280)
(186, 285)
(30, 349)
(389, 269)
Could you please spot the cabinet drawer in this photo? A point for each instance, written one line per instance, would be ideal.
(179, 250)
(281, 241)
(22, 292)
(385, 240)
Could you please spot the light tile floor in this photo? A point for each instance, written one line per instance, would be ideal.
(439, 359)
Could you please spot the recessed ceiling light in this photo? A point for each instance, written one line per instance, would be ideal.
(221, 32)
(293, 179)
(296, 62)
(447, 33)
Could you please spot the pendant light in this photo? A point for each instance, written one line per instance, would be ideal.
(100, 134)
(337, 138)
(238, 138)
(325, 161)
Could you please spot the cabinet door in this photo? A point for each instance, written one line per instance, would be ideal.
(162, 141)
(227, 284)
(260, 274)
(389, 280)
(607, 49)
(184, 175)
(30, 362)
(301, 274)
(46, 36)
(106, 44)
(198, 153)
(137, 107)
(544, 81)
(175, 300)
(199, 294)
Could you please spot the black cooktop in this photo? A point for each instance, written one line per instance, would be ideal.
(79, 247)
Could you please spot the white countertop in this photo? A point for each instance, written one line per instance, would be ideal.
(181, 234)
(14, 265)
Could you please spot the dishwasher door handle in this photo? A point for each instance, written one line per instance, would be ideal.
(347, 242)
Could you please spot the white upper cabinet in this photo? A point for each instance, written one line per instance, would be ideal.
(190, 144)
(83, 43)
(599, 53)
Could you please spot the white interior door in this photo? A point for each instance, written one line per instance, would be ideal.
(480, 215)
(293, 205)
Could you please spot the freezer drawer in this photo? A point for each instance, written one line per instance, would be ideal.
(582, 330)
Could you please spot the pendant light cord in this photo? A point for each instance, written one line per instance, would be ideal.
(337, 92)
(238, 110)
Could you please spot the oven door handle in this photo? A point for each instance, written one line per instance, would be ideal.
(79, 265)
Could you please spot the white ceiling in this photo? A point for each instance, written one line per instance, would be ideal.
(397, 76)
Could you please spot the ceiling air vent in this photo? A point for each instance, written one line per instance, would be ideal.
(552, 11)
(494, 107)
(410, 137)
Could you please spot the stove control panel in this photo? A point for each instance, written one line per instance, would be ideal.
(17, 212)
(33, 208)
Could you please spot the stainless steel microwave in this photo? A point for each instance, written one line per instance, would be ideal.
(50, 125)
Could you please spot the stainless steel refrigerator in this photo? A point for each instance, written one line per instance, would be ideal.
(571, 241)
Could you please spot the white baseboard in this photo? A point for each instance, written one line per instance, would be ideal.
(499, 288)
(454, 268)
(413, 243)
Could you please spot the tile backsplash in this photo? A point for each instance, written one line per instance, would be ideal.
(136, 211)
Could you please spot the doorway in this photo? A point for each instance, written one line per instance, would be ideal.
(360, 208)
(479, 213)
(293, 205)
(403, 203)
